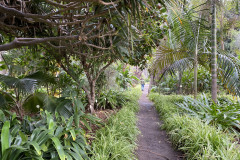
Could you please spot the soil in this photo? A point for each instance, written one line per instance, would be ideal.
(153, 143)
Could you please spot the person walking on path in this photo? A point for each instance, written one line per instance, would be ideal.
(142, 83)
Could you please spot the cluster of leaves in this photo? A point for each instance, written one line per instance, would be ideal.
(125, 77)
(111, 99)
(224, 114)
(54, 134)
(50, 137)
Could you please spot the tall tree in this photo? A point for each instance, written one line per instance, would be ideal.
(93, 33)
(214, 53)
(185, 38)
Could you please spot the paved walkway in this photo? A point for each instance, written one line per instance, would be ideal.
(153, 142)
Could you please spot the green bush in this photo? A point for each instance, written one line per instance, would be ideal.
(117, 139)
(191, 135)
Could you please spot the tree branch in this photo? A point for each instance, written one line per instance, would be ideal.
(20, 42)
(101, 70)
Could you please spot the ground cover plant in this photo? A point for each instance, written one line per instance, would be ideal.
(194, 137)
(117, 139)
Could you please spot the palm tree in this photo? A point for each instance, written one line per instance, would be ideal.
(180, 54)
(214, 53)
(186, 35)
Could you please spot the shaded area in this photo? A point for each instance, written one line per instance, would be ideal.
(153, 142)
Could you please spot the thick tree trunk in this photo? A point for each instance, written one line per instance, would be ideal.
(91, 95)
(214, 53)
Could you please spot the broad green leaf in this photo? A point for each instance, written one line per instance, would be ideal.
(73, 134)
(86, 124)
(36, 147)
(2, 116)
(23, 136)
(5, 137)
(70, 121)
(51, 126)
(59, 148)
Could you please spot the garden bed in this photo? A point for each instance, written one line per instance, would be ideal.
(189, 134)
(117, 139)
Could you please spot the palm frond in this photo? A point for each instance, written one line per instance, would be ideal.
(178, 66)
(228, 70)
(61, 105)
(228, 66)
(185, 25)
(24, 85)
(42, 77)
(27, 84)
(165, 56)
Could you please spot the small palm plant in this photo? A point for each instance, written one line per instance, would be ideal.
(21, 89)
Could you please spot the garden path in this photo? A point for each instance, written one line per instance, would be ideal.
(153, 143)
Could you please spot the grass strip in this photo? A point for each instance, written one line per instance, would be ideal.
(192, 136)
(117, 139)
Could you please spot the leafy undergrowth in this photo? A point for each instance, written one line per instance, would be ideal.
(191, 135)
(57, 136)
(52, 137)
(224, 114)
(117, 139)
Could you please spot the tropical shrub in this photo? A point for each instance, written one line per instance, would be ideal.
(110, 100)
(225, 114)
(170, 83)
(117, 139)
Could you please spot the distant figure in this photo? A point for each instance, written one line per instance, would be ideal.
(142, 84)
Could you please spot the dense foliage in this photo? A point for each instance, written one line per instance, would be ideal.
(50, 137)
(224, 115)
(58, 135)
(191, 135)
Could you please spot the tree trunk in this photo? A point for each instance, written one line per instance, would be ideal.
(91, 96)
(221, 20)
(195, 72)
(150, 84)
(180, 83)
(196, 61)
(214, 53)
